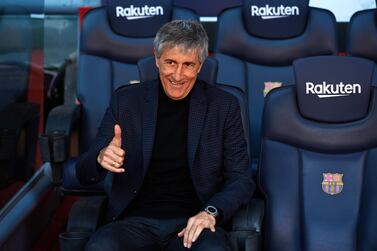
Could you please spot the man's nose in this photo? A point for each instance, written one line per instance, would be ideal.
(178, 73)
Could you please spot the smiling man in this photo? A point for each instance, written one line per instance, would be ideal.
(177, 153)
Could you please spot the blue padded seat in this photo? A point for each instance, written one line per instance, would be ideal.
(112, 40)
(255, 50)
(244, 231)
(362, 36)
(108, 58)
(319, 150)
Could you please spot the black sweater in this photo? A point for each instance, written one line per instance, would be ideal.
(168, 191)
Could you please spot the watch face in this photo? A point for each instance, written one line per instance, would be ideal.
(211, 210)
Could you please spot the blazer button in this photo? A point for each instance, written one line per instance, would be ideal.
(114, 218)
(93, 179)
(135, 191)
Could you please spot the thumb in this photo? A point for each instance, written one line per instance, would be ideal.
(180, 234)
(117, 140)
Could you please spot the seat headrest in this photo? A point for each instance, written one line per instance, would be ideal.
(148, 70)
(277, 19)
(135, 18)
(333, 89)
(362, 30)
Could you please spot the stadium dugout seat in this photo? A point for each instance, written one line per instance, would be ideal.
(362, 36)
(19, 118)
(111, 43)
(257, 43)
(110, 47)
(86, 215)
(317, 168)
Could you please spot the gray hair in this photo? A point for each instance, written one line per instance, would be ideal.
(188, 34)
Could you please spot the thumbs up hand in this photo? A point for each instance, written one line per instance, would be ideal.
(117, 140)
(112, 156)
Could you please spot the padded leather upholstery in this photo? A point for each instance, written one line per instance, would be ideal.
(362, 36)
(107, 61)
(305, 160)
(261, 18)
(254, 62)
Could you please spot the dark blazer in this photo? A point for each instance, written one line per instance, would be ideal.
(217, 151)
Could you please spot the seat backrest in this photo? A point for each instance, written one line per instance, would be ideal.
(362, 37)
(319, 150)
(257, 43)
(113, 38)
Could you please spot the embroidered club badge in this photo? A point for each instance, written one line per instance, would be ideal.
(332, 183)
(268, 86)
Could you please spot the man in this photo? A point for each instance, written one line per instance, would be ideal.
(176, 149)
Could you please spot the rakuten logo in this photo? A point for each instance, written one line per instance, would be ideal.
(270, 12)
(325, 90)
(133, 12)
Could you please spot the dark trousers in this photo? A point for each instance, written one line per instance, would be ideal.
(147, 234)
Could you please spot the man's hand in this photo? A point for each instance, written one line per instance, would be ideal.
(195, 226)
(112, 156)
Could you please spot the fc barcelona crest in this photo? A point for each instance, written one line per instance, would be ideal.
(332, 183)
(268, 86)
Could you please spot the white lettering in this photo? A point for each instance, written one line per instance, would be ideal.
(119, 11)
(325, 90)
(133, 12)
(270, 12)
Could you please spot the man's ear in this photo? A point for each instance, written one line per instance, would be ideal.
(200, 67)
(155, 57)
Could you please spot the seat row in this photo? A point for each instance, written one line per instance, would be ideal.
(254, 51)
(253, 54)
(248, 61)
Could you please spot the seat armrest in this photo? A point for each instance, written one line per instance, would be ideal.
(249, 217)
(63, 118)
(245, 233)
(87, 214)
(54, 143)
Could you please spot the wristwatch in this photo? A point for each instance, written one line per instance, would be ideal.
(211, 210)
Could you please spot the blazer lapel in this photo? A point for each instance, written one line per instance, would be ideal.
(197, 112)
(149, 121)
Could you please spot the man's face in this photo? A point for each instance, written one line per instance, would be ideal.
(178, 70)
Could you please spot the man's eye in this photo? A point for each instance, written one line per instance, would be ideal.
(190, 65)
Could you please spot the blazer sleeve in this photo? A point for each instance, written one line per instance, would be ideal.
(88, 170)
(238, 184)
